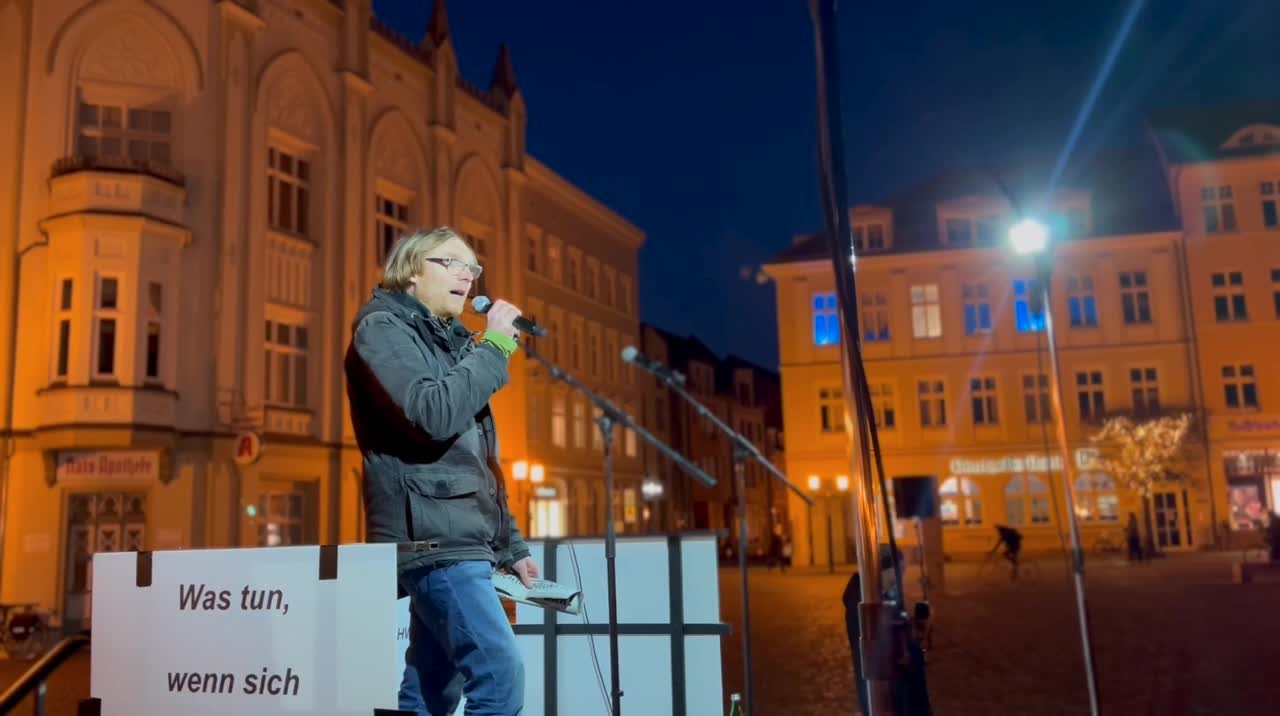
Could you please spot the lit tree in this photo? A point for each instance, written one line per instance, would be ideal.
(1139, 455)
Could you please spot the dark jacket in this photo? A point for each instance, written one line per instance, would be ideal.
(419, 390)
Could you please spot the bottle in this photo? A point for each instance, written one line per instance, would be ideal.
(735, 705)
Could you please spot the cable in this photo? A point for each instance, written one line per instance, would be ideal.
(591, 639)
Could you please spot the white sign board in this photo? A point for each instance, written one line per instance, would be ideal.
(669, 629)
(254, 632)
(1085, 459)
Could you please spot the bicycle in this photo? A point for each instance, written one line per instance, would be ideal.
(1012, 541)
(1107, 543)
(24, 631)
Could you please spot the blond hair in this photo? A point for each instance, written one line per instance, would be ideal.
(405, 258)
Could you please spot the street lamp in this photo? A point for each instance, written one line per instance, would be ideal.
(523, 473)
(815, 483)
(1030, 238)
(651, 489)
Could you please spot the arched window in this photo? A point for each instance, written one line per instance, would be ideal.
(1096, 499)
(961, 502)
(1026, 500)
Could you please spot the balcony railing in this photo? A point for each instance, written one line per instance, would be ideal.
(118, 165)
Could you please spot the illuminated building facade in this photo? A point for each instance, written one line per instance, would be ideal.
(197, 198)
(1166, 297)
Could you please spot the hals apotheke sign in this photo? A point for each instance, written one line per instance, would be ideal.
(133, 465)
(1013, 464)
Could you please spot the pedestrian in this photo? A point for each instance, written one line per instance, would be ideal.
(786, 552)
(1134, 537)
(1273, 536)
(775, 551)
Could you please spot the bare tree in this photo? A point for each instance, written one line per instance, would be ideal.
(1142, 454)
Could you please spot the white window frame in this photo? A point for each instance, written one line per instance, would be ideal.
(297, 358)
(1032, 496)
(1218, 206)
(1037, 405)
(154, 319)
(984, 400)
(579, 422)
(64, 295)
(1235, 379)
(555, 259)
(1082, 292)
(559, 419)
(830, 409)
(132, 109)
(1230, 302)
(1091, 394)
(116, 316)
(293, 183)
(963, 496)
(1144, 386)
(926, 311)
(1092, 488)
(932, 396)
(389, 226)
(884, 405)
(1135, 296)
(875, 317)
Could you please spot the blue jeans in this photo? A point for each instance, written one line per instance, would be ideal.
(459, 641)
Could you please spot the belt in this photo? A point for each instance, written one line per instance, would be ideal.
(417, 546)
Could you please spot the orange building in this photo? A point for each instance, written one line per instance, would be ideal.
(745, 397)
(197, 198)
(1162, 297)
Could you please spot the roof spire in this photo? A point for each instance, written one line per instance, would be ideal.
(438, 25)
(504, 74)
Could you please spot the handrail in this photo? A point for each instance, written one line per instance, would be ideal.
(41, 670)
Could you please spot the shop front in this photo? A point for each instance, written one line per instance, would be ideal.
(1025, 491)
(1253, 486)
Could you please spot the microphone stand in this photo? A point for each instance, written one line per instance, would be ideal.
(742, 449)
(610, 416)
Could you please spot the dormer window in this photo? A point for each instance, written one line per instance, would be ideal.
(981, 230)
(870, 237)
(1254, 136)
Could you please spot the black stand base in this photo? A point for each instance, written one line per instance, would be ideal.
(93, 707)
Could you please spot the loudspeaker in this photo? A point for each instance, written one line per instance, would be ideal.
(915, 496)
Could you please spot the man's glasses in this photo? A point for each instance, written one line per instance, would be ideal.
(458, 267)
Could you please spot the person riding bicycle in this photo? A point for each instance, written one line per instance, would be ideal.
(1012, 541)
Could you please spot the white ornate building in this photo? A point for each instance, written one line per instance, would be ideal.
(195, 198)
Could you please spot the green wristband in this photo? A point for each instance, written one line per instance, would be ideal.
(506, 344)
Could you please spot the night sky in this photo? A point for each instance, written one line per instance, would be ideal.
(696, 120)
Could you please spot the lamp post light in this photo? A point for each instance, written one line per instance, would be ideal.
(842, 485)
(524, 473)
(815, 483)
(651, 489)
(1030, 238)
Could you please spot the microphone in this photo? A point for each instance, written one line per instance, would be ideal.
(631, 354)
(482, 304)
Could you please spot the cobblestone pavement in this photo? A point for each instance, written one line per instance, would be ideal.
(1171, 637)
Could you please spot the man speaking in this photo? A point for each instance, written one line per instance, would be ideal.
(419, 386)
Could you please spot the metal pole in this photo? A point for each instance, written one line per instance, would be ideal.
(813, 559)
(739, 482)
(1043, 263)
(831, 543)
(876, 642)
